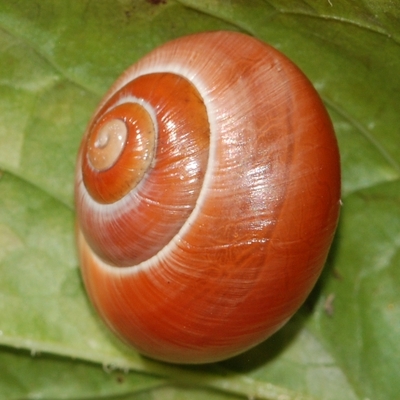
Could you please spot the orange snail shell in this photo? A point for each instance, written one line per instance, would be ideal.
(203, 227)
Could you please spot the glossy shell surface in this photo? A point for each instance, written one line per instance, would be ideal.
(229, 220)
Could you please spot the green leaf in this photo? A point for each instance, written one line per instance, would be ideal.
(47, 377)
(57, 58)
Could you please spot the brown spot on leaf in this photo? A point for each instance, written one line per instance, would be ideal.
(328, 305)
(157, 2)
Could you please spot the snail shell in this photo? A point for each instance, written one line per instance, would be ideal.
(207, 195)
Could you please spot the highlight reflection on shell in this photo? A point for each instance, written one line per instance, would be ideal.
(207, 231)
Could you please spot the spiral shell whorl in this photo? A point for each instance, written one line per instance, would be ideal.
(113, 165)
(157, 206)
(221, 281)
